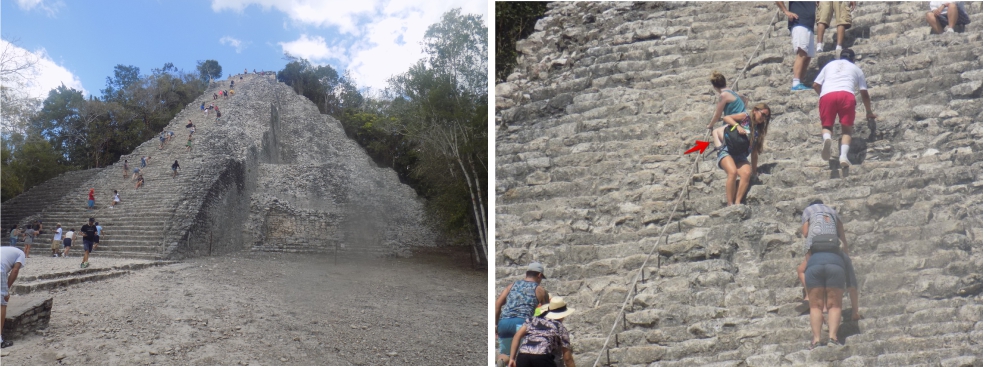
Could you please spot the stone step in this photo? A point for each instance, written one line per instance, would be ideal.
(27, 285)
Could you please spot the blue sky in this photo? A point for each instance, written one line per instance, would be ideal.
(81, 41)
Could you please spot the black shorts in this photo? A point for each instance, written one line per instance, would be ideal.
(87, 245)
(96, 239)
(535, 360)
(67, 242)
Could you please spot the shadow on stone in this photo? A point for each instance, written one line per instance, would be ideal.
(847, 327)
(872, 128)
(834, 166)
(766, 168)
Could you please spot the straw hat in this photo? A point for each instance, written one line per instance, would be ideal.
(558, 309)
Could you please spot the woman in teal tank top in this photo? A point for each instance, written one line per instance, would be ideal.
(729, 102)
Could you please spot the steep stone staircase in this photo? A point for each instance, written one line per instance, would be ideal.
(592, 127)
(137, 228)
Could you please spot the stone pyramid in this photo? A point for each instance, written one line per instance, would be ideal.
(273, 174)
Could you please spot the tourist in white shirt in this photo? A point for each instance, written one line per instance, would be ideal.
(836, 84)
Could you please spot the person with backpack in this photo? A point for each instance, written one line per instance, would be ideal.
(827, 270)
(516, 303)
(835, 85)
(743, 135)
(542, 337)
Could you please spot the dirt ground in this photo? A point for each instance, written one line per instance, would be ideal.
(271, 309)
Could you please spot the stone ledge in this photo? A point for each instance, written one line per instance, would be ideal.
(26, 314)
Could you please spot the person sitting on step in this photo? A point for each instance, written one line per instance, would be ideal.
(941, 13)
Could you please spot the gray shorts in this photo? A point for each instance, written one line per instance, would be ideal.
(962, 19)
(825, 270)
(3, 290)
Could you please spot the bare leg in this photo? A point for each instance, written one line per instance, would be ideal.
(801, 272)
(834, 303)
(846, 132)
(952, 14)
(840, 34)
(728, 164)
(935, 25)
(85, 257)
(718, 136)
(803, 65)
(27, 250)
(816, 311)
(745, 173)
(3, 311)
(821, 27)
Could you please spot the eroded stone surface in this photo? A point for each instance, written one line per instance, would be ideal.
(592, 125)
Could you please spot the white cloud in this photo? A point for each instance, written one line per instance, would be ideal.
(380, 38)
(341, 14)
(46, 74)
(49, 8)
(237, 44)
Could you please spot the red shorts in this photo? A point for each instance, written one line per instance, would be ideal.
(837, 104)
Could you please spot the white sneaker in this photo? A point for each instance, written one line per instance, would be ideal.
(825, 153)
(820, 47)
(844, 162)
(839, 49)
(948, 30)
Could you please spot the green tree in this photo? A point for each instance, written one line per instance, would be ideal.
(458, 47)
(446, 116)
(209, 70)
(124, 77)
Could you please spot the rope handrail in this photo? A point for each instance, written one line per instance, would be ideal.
(680, 197)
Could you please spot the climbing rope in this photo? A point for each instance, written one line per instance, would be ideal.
(683, 191)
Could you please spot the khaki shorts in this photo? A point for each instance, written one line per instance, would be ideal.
(55, 244)
(836, 9)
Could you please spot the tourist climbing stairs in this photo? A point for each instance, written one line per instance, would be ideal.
(141, 226)
(592, 127)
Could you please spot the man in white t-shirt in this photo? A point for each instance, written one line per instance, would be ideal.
(56, 241)
(836, 84)
(11, 260)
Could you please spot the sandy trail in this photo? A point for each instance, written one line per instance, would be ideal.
(271, 309)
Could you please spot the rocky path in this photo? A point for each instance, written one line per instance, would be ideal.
(270, 309)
